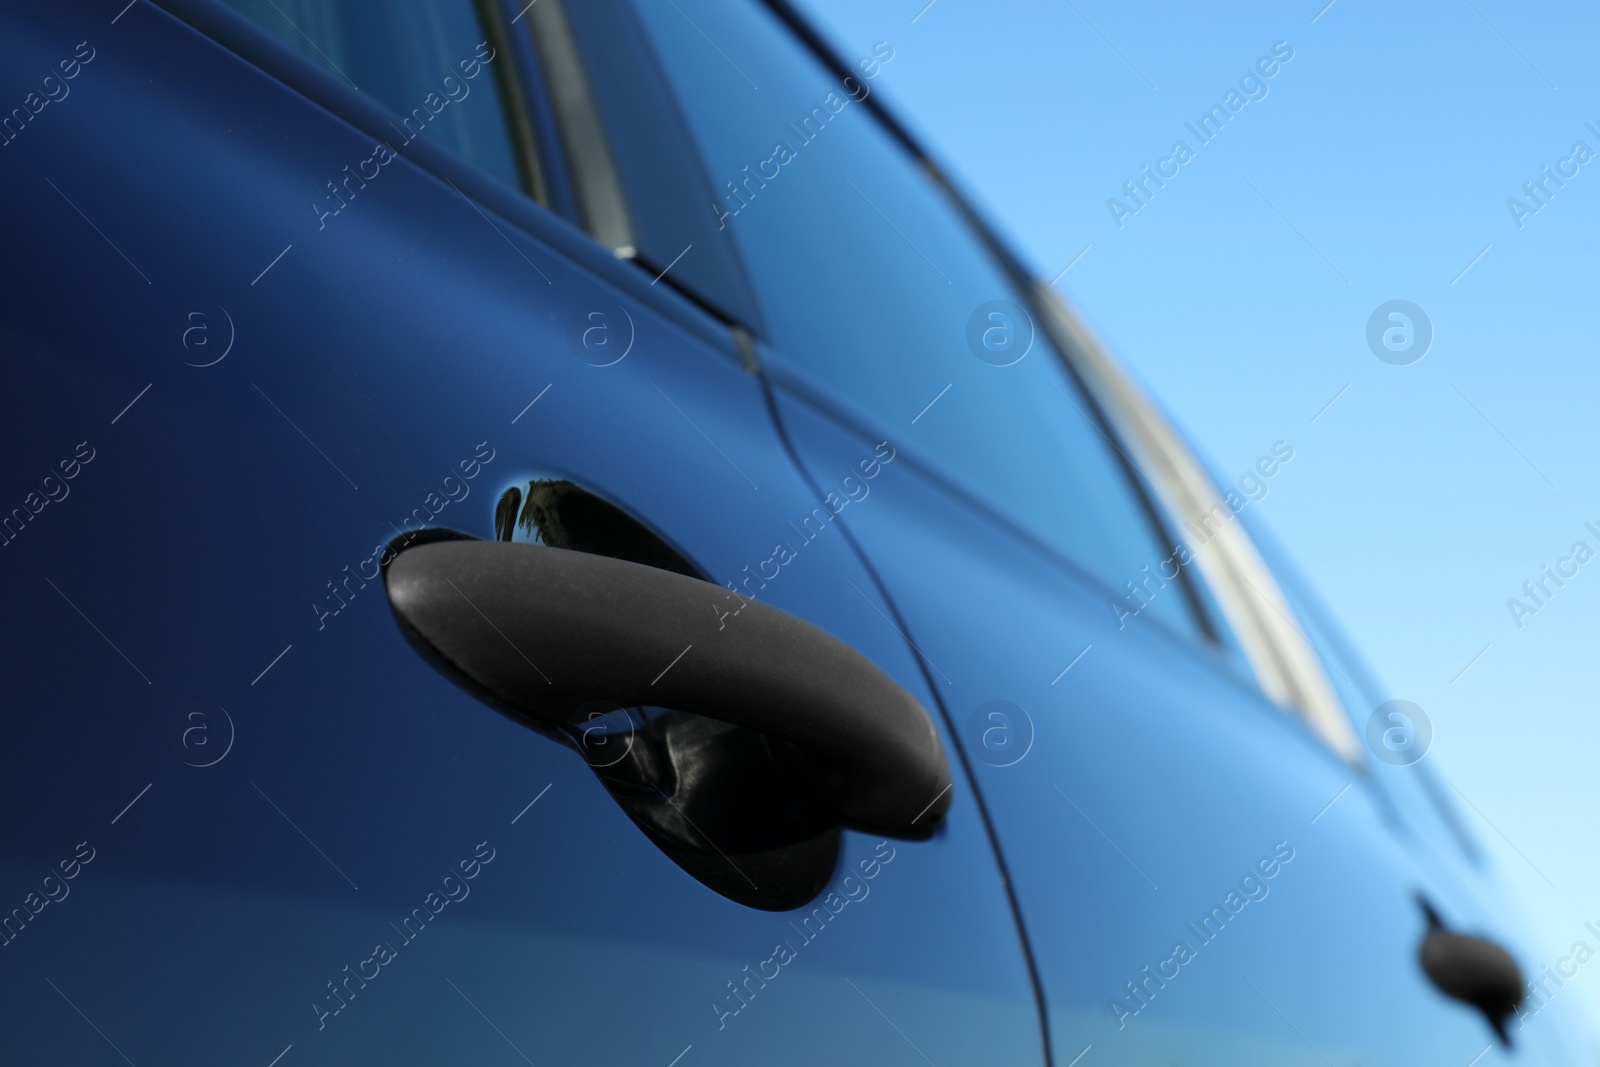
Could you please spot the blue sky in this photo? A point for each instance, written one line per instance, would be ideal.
(1377, 166)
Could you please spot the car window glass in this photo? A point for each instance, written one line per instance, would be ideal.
(871, 281)
(425, 60)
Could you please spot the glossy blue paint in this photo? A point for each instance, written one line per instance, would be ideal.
(208, 565)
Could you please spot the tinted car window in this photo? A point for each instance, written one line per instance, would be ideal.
(871, 282)
(425, 60)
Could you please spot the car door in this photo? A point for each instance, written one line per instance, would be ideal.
(1204, 872)
(267, 324)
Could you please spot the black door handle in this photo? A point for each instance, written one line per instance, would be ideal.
(544, 633)
(1473, 970)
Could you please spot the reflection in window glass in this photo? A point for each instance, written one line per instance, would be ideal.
(871, 281)
(421, 59)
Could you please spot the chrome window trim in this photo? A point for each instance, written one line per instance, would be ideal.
(519, 118)
(601, 200)
(1286, 664)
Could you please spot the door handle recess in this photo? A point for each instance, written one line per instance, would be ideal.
(543, 633)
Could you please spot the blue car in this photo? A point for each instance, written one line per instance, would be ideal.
(551, 533)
